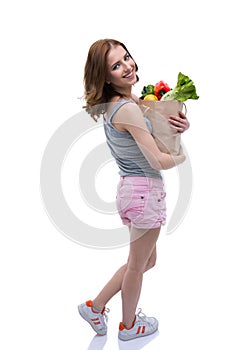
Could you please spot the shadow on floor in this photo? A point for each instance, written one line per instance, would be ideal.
(98, 342)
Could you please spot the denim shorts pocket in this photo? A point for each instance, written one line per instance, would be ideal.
(137, 203)
(157, 199)
(131, 200)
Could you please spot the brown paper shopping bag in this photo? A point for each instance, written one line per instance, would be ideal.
(158, 112)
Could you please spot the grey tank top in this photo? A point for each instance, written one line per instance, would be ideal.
(124, 149)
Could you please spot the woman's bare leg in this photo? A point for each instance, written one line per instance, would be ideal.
(141, 250)
(115, 284)
(110, 289)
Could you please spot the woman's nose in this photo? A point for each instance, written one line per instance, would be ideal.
(127, 66)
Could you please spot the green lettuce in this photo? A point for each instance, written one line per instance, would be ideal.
(184, 90)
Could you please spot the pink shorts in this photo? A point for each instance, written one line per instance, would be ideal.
(141, 201)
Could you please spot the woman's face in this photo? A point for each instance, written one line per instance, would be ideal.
(120, 68)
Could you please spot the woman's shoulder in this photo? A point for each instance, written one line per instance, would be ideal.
(121, 104)
(128, 112)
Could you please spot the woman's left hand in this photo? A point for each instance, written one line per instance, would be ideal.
(179, 123)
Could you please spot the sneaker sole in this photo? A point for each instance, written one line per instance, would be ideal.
(84, 316)
(137, 336)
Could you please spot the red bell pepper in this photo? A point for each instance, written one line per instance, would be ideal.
(160, 89)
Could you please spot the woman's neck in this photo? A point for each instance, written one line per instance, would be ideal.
(119, 98)
(125, 92)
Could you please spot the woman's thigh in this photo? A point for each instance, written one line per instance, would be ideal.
(142, 245)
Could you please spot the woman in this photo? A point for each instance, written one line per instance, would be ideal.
(110, 73)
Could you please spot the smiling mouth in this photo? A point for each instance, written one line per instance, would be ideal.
(129, 75)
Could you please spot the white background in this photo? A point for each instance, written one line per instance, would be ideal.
(44, 275)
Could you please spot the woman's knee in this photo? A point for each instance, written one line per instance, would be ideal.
(151, 261)
(150, 264)
(137, 263)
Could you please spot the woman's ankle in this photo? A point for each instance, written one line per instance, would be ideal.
(97, 307)
(129, 324)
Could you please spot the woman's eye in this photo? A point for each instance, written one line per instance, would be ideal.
(116, 66)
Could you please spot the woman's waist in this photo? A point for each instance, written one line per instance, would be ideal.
(149, 182)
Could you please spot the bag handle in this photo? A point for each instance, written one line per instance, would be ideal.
(185, 109)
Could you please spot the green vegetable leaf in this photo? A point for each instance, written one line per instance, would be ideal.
(184, 90)
(149, 89)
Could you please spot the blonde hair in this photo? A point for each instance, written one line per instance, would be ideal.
(97, 92)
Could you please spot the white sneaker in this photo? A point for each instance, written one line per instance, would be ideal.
(98, 320)
(143, 326)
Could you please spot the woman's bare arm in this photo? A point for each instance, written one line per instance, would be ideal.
(130, 118)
